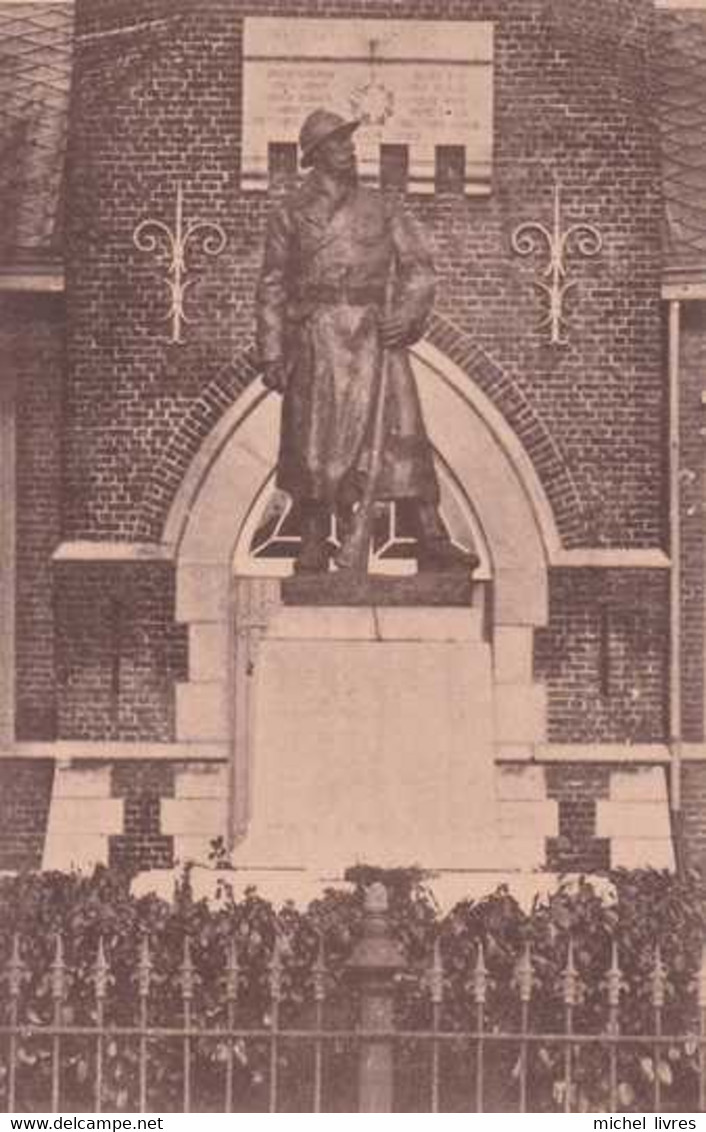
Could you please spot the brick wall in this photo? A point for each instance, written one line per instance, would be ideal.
(32, 349)
(693, 519)
(160, 100)
(143, 785)
(25, 793)
(693, 565)
(609, 817)
(119, 652)
(604, 656)
(577, 789)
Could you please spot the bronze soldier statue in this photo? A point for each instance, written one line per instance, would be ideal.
(346, 279)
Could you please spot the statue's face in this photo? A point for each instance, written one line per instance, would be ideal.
(336, 156)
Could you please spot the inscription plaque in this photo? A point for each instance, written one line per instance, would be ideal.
(416, 83)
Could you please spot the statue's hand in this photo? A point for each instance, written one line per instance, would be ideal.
(274, 376)
(394, 330)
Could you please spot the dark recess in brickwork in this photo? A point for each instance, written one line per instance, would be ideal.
(119, 651)
(693, 517)
(25, 794)
(577, 788)
(32, 352)
(605, 656)
(142, 845)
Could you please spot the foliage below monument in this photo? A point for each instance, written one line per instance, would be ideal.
(640, 910)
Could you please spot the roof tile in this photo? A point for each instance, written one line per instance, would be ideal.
(35, 73)
(682, 121)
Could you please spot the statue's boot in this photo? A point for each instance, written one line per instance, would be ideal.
(435, 550)
(314, 553)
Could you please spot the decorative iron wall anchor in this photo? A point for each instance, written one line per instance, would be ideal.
(150, 234)
(580, 239)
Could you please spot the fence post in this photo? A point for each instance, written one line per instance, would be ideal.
(375, 961)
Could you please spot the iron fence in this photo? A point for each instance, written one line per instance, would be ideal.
(347, 1050)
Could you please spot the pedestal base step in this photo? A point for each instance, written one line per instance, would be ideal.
(344, 588)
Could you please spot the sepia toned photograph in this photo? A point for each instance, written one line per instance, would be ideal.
(352, 557)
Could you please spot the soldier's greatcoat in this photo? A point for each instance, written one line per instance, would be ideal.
(330, 267)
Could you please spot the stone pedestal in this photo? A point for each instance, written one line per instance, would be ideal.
(372, 741)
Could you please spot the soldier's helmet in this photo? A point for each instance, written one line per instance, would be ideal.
(318, 126)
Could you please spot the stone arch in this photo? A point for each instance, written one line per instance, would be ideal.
(508, 396)
(220, 397)
(474, 438)
(203, 416)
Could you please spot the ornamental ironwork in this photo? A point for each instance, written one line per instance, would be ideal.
(153, 235)
(542, 1031)
(579, 239)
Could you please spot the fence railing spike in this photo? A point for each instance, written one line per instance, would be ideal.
(615, 976)
(276, 969)
(319, 971)
(615, 1041)
(571, 979)
(101, 972)
(15, 968)
(144, 968)
(187, 972)
(658, 980)
(524, 973)
(436, 975)
(480, 977)
(570, 964)
(58, 970)
(232, 972)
